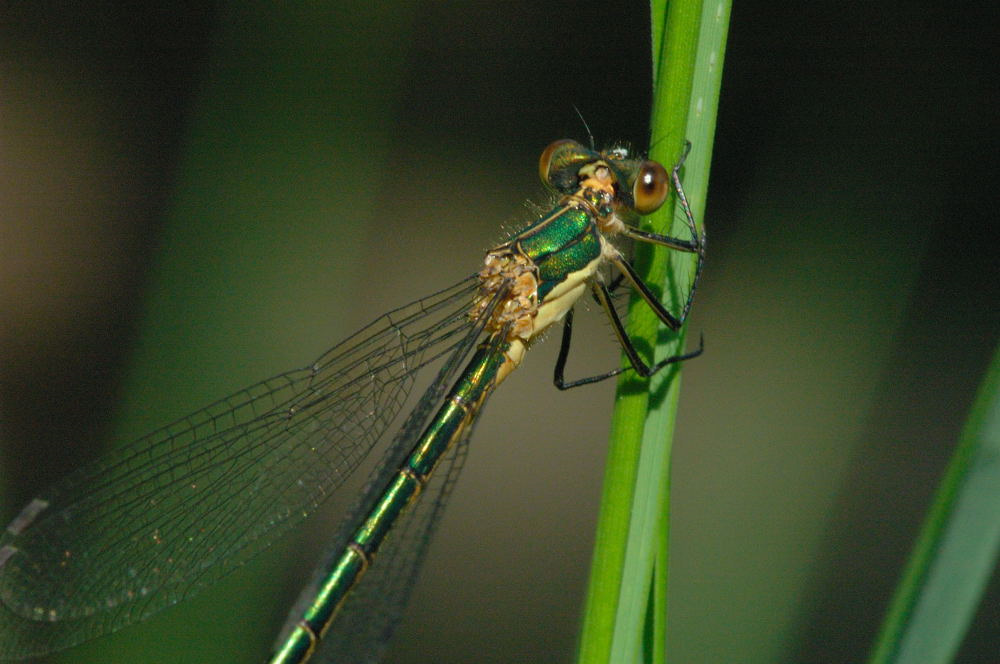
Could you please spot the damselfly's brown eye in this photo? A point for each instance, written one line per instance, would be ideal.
(651, 187)
(545, 164)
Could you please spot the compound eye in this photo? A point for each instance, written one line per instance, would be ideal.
(651, 187)
(555, 157)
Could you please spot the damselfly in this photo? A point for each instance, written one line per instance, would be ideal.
(156, 520)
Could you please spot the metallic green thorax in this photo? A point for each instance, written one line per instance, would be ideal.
(563, 241)
(449, 424)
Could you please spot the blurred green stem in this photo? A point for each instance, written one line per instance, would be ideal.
(957, 550)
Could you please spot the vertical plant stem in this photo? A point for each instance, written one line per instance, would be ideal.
(625, 613)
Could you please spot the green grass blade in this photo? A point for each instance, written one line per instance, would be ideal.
(625, 615)
(957, 548)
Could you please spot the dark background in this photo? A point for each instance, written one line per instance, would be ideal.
(193, 199)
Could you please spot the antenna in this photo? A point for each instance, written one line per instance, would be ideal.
(653, 144)
(590, 136)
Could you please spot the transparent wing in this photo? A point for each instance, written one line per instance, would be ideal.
(156, 520)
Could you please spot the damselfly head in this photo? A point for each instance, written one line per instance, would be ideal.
(637, 185)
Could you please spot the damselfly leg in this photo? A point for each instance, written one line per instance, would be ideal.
(603, 295)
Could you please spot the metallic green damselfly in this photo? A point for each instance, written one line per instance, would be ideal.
(156, 520)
